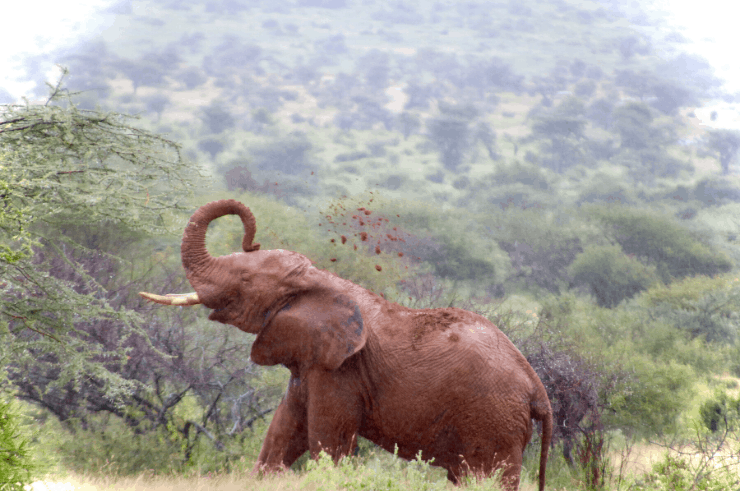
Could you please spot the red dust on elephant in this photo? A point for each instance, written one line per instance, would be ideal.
(443, 382)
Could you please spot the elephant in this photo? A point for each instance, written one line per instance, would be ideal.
(444, 382)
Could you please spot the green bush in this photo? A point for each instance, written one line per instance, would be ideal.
(700, 306)
(675, 473)
(611, 275)
(604, 188)
(663, 341)
(391, 474)
(454, 243)
(16, 466)
(661, 241)
(519, 173)
(290, 154)
(720, 412)
(541, 245)
(651, 400)
(456, 261)
(647, 368)
(109, 447)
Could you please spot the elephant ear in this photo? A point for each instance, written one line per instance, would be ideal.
(319, 327)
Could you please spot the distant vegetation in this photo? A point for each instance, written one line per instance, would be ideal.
(536, 161)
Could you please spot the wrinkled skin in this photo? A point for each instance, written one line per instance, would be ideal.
(445, 382)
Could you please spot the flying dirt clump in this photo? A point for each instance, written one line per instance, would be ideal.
(377, 232)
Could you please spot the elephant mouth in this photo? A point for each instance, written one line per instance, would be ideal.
(176, 299)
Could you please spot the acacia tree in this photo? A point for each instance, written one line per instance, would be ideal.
(80, 192)
(67, 174)
(564, 127)
(451, 133)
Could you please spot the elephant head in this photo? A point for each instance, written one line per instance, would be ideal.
(298, 316)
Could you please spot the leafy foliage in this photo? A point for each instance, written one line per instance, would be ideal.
(81, 186)
(681, 471)
(564, 128)
(702, 306)
(611, 275)
(726, 143)
(288, 155)
(541, 246)
(645, 367)
(16, 466)
(176, 392)
(451, 133)
(661, 242)
(721, 412)
(393, 475)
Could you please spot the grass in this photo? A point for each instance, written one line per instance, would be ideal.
(221, 482)
(374, 474)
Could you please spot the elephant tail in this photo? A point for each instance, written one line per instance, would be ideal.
(542, 412)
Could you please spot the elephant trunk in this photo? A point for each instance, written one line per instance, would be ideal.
(195, 257)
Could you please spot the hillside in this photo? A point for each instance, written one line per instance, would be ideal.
(539, 162)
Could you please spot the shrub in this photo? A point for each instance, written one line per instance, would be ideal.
(600, 113)
(109, 446)
(351, 156)
(564, 127)
(701, 306)
(451, 135)
(211, 146)
(192, 77)
(716, 191)
(456, 261)
(585, 88)
(650, 401)
(378, 472)
(217, 117)
(288, 155)
(530, 175)
(15, 462)
(660, 241)
(611, 275)
(327, 4)
(720, 412)
(573, 387)
(633, 121)
(675, 473)
(408, 123)
(541, 246)
(643, 390)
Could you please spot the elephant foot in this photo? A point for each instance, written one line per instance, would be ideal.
(509, 481)
(263, 469)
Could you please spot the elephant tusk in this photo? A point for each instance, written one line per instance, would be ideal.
(177, 299)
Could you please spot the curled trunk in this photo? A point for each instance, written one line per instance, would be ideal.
(195, 257)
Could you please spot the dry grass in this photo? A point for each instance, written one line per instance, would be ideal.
(638, 460)
(642, 456)
(224, 482)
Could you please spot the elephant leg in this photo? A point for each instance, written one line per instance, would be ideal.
(286, 439)
(473, 466)
(512, 468)
(510, 477)
(334, 416)
(452, 477)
